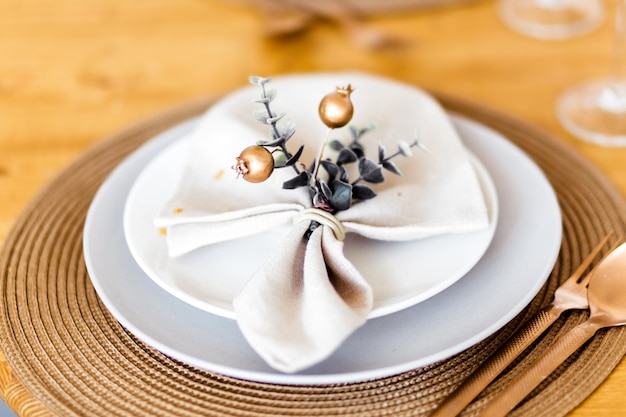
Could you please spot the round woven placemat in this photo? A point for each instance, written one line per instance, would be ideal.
(76, 359)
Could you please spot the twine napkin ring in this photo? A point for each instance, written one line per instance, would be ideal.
(324, 218)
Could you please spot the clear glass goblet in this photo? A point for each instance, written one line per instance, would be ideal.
(552, 19)
(596, 111)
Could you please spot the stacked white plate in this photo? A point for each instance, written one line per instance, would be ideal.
(470, 285)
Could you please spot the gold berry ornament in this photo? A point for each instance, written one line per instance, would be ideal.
(254, 164)
(336, 108)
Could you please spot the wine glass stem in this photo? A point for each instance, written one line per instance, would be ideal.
(619, 51)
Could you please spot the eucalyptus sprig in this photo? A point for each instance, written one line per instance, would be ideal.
(279, 133)
(337, 192)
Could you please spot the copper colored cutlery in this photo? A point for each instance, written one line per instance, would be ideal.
(571, 295)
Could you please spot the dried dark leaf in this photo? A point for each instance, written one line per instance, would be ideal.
(326, 191)
(354, 133)
(294, 158)
(370, 171)
(362, 192)
(331, 168)
(358, 150)
(391, 167)
(342, 196)
(346, 156)
(357, 133)
(335, 145)
(370, 127)
(300, 180)
(343, 174)
(381, 152)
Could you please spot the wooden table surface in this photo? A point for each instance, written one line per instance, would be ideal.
(73, 72)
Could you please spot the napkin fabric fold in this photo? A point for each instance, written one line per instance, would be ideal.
(302, 303)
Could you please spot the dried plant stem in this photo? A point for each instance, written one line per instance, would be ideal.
(320, 153)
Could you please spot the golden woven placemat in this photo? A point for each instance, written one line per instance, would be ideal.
(75, 359)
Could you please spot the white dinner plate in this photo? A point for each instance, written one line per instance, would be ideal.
(210, 277)
(501, 284)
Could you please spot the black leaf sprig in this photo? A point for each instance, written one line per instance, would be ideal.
(336, 192)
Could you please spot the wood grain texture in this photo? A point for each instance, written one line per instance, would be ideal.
(72, 72)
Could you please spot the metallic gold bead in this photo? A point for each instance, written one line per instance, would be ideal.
(336, 108)
(254, 164)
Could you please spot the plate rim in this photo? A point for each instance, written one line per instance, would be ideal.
(271, 376)
(182, 143)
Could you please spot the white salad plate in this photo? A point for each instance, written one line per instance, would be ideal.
(401, 274)
(504, 280)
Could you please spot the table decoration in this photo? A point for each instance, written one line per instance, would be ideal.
(305, 298)
(76, 359)
(205, 278)
(607, 307)
(571, 295)
(185, 277)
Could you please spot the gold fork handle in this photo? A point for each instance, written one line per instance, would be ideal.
(497, 362)
(524, 383)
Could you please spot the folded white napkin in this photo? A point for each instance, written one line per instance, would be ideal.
(307, 298)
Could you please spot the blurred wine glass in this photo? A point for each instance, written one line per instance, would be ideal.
(552, 19)
(596, 111)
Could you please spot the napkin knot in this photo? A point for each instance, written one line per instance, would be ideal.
(324, 218)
